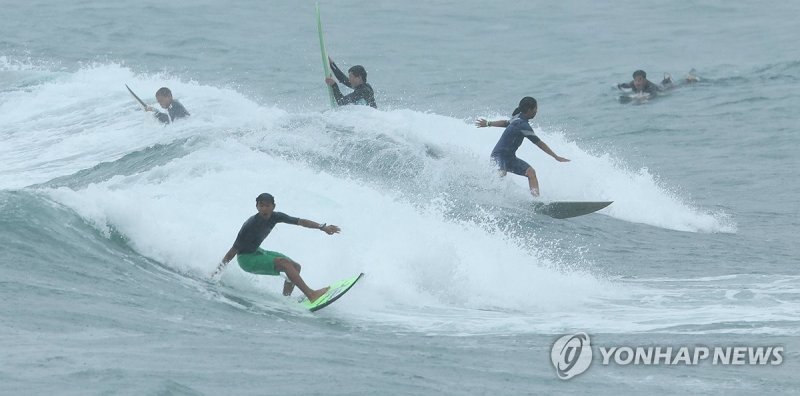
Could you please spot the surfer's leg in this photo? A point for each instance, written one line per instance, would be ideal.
(287, 266)
(500, 163)
(288, 286)
(533, 182)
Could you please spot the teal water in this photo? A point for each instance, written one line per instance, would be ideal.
(112, 224)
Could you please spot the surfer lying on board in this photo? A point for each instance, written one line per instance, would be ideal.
(253, 259)
(357, 80)
(517, 129)
(174, 108)
(641, 84)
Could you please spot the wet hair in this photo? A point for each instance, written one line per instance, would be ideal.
(265, 197)
(525, 104)
(164, 91)
(639, 73)
(359, 71)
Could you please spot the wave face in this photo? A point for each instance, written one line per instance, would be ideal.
(112, 224)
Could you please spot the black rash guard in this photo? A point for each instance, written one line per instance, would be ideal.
(362, 94)
(256, 229)
(649, 87)
(174, 111)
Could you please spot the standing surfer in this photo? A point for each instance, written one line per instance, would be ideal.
(255, 260)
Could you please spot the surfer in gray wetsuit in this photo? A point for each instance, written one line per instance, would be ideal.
(518, 129)
(255, 260)
(357, 80)
(174, 109)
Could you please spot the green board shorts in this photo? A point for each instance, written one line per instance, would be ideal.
(261, 262)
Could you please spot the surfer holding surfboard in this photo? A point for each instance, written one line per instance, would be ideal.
(174, 109)
(253, 259)
(357, 80)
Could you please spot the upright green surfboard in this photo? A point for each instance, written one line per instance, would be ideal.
(325, 65)
(335, 290)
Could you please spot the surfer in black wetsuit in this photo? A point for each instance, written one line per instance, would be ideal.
(253, 259)
(641, 84)
(174, 109)
(357, 80)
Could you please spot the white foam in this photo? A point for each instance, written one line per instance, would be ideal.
(186, 214)
(74, 121)
(423, 269)
(83, 118)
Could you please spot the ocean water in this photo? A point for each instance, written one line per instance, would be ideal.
(110, 224)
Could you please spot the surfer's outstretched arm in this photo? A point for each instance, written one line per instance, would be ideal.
(542, 145)
(329, 229)
(483, 123)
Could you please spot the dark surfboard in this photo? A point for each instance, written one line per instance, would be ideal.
(136, 97)
(566, 209)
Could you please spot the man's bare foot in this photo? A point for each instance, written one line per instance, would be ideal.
(317, 294)
(534, 192)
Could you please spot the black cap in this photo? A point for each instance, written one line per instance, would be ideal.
(265, 197)
(639, 73)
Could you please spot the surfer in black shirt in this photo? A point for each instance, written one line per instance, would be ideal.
(640, 84)
(174, 109)
(357, 80)
(253, 259)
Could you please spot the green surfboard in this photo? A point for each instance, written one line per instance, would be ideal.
(335, 291)
(325, 65)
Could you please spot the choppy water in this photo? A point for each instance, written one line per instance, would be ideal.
(111, 224)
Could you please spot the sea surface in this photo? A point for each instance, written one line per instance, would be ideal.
(111, 224)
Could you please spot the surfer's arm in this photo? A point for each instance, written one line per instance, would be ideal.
(542, 145)
(339, 74)
(230, 255)
(483, 123)
(329, 229)
(342, 100)
(625, 85)
(337, 93)
(225, 260)
(163, 117)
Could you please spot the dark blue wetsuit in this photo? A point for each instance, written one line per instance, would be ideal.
(362, 94)
(256, 229)
(505, 151)
(174, 111)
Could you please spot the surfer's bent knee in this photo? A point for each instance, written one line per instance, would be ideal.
(283, 263)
